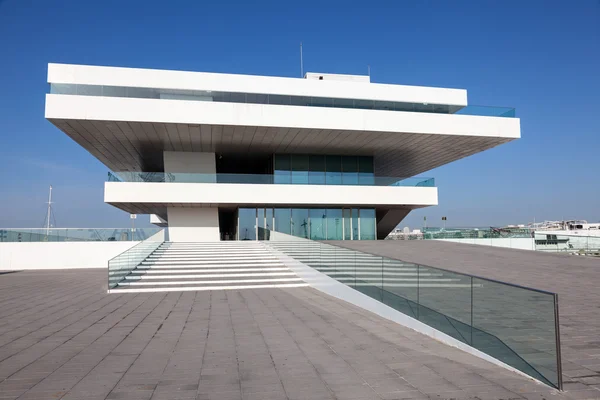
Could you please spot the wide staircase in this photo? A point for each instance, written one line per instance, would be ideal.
(209, 266)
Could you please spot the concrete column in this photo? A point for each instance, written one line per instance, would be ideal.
(192, 224)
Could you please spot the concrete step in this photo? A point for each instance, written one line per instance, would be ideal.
(186, 288)
(264, 281)
(142, 275)
(199, 262)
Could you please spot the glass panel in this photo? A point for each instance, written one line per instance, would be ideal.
(400, 286)
(300, 222)
(347, 212)
(76, 234)
(524, 322)
(282, 167)
(62, 88)
(114, 91)
(368, 272)
(247, 224)
(282, 220)
(122, 265)
(89, 90)
(257, 98)
(349, 170)
(318, 223)
(355, 224)
(260, 223)
(316, 175)
(269, 219)
(367, 224)
(366, 175)
(299, 169)
(333, 170)
(345, 266)
(279, 176)
(334, 224)
(445, 302)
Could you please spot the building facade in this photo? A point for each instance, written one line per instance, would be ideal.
(221, 156)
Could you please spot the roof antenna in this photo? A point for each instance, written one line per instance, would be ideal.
(369, 71)
(301, 63)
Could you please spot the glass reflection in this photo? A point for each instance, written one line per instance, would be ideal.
(247, 224)
(318, 224)
(300, 225)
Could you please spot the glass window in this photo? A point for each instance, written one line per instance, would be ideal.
(247, 224)
(349, 170)
(238, 97)
(282, 167)
(261, 221)
(347, 224)
(334, 224)
(365, 170)
(355, 225)
(142, 93)
(269, 219)
(318, 223)
(114, 91)
(333, 168)
(316, 174)
(282, 220)
(367, 224)
(299, 169)
(300, 222)
(62, 88)
(89, 90)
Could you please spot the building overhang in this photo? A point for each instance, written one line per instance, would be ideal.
(155, 198)
(130, 134)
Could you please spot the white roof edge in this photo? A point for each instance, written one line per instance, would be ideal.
(186, 80)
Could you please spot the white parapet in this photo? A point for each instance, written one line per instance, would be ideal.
(267, 194)
(59, 255)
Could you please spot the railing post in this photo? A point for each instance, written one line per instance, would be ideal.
(471, 343)
(418, 289)
(558, 354)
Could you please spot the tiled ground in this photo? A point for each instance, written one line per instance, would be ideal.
(63, 337)
(576, 279)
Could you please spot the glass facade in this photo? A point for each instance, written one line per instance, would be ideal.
(257, 98)
(322, 169)
(308, 223)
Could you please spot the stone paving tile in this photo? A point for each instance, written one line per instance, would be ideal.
(251, 344)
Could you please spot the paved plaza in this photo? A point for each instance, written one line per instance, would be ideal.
(63, 337)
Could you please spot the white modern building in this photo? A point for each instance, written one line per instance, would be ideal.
(221, 156)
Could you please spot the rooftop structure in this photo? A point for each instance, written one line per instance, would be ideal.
(223, 156)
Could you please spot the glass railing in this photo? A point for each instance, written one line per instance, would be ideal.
(574, 244)
(122, 265)
(275, 99)
(269, 179)
(514, 324)
(75, 234)
(475, 233)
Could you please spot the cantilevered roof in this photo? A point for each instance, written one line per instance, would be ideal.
(130, 133)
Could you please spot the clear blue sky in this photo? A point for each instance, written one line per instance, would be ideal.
(542, 57)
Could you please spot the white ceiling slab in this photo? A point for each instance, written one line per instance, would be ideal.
(136, 146)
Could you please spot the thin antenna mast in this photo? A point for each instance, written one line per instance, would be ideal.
(369, 70)
(49, 213)
(301, 63)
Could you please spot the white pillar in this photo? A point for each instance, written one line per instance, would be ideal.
(192, 224)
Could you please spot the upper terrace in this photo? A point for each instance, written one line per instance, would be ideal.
(127, 117)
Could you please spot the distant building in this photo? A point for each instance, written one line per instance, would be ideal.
(221, 156)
